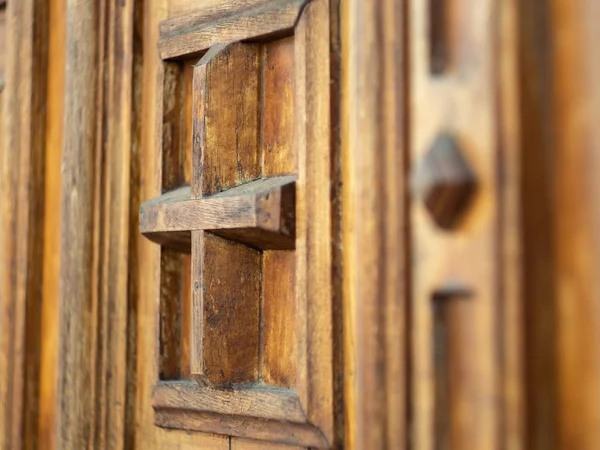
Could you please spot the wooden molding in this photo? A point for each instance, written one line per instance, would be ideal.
(259, 213)
(256, 411)
(229, 21)
(261, 401)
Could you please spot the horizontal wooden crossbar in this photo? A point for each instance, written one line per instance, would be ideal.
(256, 412)
(225, 22)
(260, 214)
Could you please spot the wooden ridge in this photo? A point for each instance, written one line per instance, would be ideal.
(261, 401)
(260, 214)
(230, 21)
(257, 412)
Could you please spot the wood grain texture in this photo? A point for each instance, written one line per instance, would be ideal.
(314, 244)
(259, 214)
(22, 153)
(231, 288)
(148, 270)
(301, 434)
(278, 157)
(74, 396)
(247, 444)
(231, 149)
(575, 103)
(375, 244)
(225, 22)
(113, 137)
(278, 353)
(256, 401)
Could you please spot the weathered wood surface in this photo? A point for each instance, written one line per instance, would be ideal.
(225, 22)
(255, 401)
(314, 242)
(259, 213)
(22, 178)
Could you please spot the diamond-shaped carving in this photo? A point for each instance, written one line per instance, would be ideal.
(444, 181)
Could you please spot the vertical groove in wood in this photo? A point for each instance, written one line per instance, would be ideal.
(173, 175)
(52, 219)
(133, 288)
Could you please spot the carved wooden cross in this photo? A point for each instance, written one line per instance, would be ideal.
(228, 195)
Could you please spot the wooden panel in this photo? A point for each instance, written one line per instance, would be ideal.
(22, 179)
(375, 246)
(279, 358)
(74, 396)
(312, 135)
(231, 324)
(575, 106)
(231, 150)
(225, 22)
(278, 108)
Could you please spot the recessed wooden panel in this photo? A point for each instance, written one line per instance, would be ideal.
(278, 108)
(230, 328)
(231, 149)
(278, 325)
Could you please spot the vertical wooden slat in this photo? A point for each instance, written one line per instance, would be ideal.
(314, 268)
(375, 264)
(277, 110)
(278, 326)
(73, 399)
(575, 110)
(278, 309)
(113, 136)
(21, 219)
(226, 153)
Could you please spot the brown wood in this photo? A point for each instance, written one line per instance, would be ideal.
(259, 213)
(278, 156)
(278, 352)
(230, 153)
(74, 397)
(22, 178)
(256, 401)
(246, 444)
(375, 222)
(230, 328)
(313, 216)
(304, 434)
(478, 255)
(225, 22)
